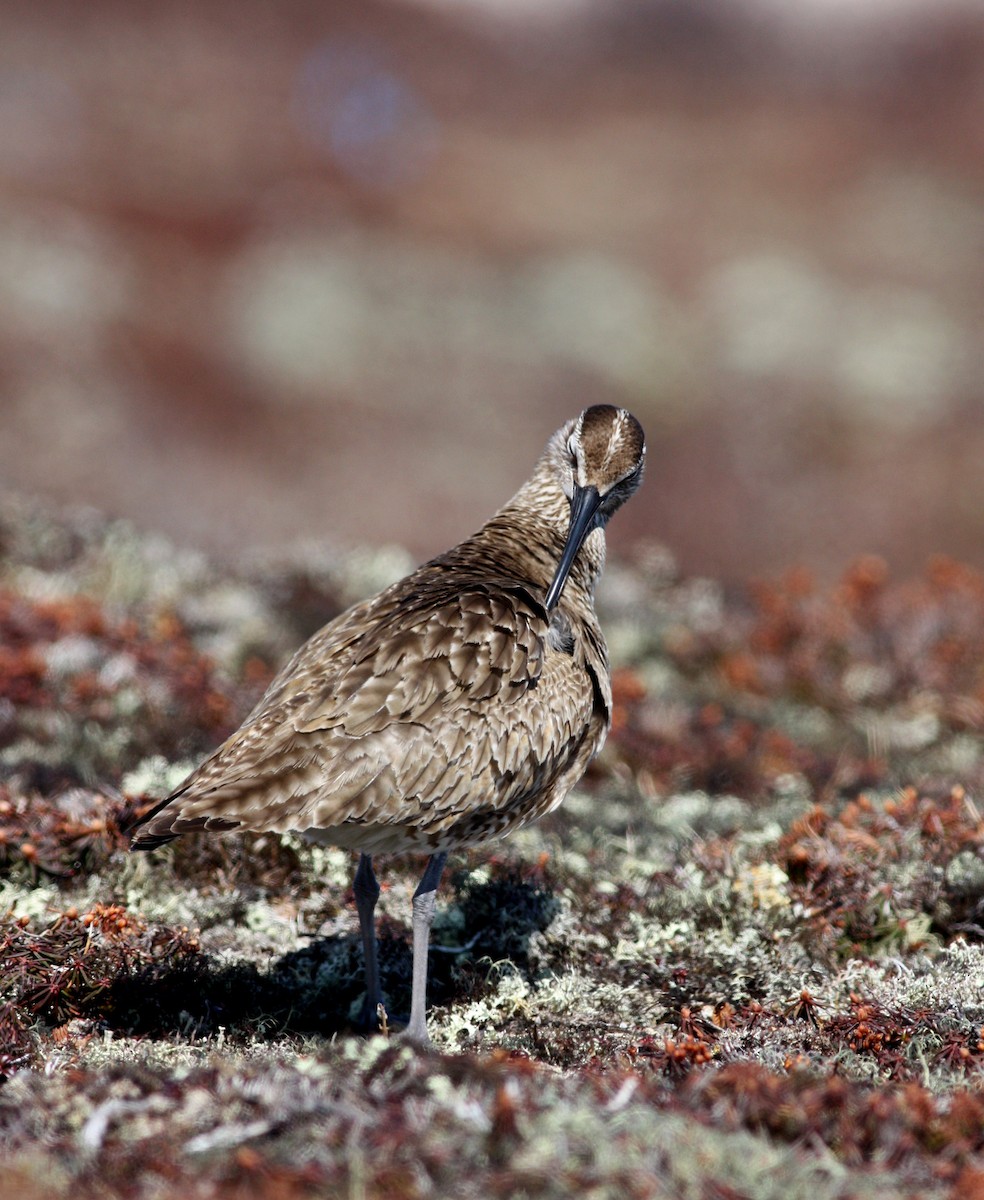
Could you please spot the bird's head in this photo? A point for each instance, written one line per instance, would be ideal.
(598, 459)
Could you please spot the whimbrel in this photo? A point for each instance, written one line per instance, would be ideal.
(460, 703)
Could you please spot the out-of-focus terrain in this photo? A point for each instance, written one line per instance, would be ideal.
(333, 270)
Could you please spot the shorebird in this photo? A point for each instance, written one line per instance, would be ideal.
(460, 703)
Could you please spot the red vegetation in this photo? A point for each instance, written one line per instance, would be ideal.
(175, 702)
(904, 1126)
(837, 865)
(59, 837)
(73, 968)
(163, 649)
(864, 645)
(925, 635)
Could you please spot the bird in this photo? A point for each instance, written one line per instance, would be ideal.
(455, 706)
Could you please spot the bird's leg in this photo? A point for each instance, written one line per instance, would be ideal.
(366, 889)
(424, 903)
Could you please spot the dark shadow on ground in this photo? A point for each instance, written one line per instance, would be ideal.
(317, 989)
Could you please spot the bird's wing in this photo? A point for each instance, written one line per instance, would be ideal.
(483, 642)
(398, 724)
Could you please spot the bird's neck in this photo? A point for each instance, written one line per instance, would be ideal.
(525, 538)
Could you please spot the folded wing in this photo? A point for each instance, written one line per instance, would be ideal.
(403, 713)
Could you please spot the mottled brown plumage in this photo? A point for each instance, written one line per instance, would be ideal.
(459, 704)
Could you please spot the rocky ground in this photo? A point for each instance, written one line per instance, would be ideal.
(745, 959)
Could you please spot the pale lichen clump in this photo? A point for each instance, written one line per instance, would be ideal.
(763, 886)
(510, 996)
(155, 777)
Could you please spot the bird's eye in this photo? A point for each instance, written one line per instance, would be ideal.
(572, 449)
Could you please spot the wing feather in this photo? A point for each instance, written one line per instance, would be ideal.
(407, 716)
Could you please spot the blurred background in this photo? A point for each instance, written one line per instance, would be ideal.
(273, 271)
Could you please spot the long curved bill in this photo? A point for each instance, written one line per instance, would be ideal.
(584, 506)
